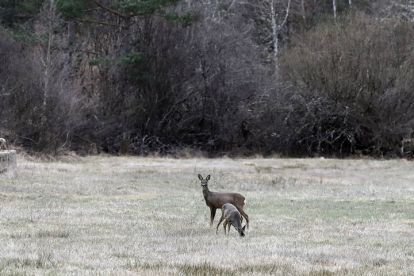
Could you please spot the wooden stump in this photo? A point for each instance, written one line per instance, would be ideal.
(8, 160)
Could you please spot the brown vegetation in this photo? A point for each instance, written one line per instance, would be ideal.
(96, 76)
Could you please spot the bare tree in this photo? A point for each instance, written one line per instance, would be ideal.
(270, 10)
(302, 5)
(51, 19)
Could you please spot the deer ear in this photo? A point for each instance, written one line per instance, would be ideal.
(244, 228)
(208, 177)
(200, 177)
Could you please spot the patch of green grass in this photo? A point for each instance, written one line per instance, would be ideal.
(137, 264)
(19, 262)
(263, 169)
(300, 166)
(205, 269)
(322, 272)
(53, 234)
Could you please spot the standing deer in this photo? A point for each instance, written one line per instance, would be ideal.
(217, 200)
(231, 216)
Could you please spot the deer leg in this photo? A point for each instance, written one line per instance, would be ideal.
(246, 216)
(213, 214)
(221, 219)
(224, 225)
(228, 229)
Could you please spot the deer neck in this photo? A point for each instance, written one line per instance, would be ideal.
(206, 192)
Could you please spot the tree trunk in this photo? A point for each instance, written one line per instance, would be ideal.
(274, 34)
(125, 37)
(275, 30)
(71, 42)
(302, 3)
(47, 63)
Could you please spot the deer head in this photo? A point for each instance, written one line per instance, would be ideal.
(204, 181)
(241, 231)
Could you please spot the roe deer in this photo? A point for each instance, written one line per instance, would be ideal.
(231, 216)
(217, 200)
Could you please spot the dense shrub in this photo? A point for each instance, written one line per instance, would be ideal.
(28, 117)
(355, 79)
(203, 75)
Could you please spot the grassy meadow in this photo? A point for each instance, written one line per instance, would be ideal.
(147, 216)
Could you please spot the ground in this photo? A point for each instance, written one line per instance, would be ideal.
(147, 216)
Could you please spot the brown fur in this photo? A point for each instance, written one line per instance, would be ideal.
(217, 200)
(231, 215)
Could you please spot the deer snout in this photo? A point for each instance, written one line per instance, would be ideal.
(242, 234)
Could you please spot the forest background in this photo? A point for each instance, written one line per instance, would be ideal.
(222, 77)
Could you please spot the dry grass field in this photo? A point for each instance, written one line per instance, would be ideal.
(147, 216)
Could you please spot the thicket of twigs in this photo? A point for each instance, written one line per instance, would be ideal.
(229, 77)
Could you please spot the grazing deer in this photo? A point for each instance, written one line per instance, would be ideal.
(2, 143)
(217, 200)
(231, 216)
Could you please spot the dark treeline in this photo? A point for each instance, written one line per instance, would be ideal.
(295, 77)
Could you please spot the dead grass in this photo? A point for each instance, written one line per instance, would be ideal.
(147, 216)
